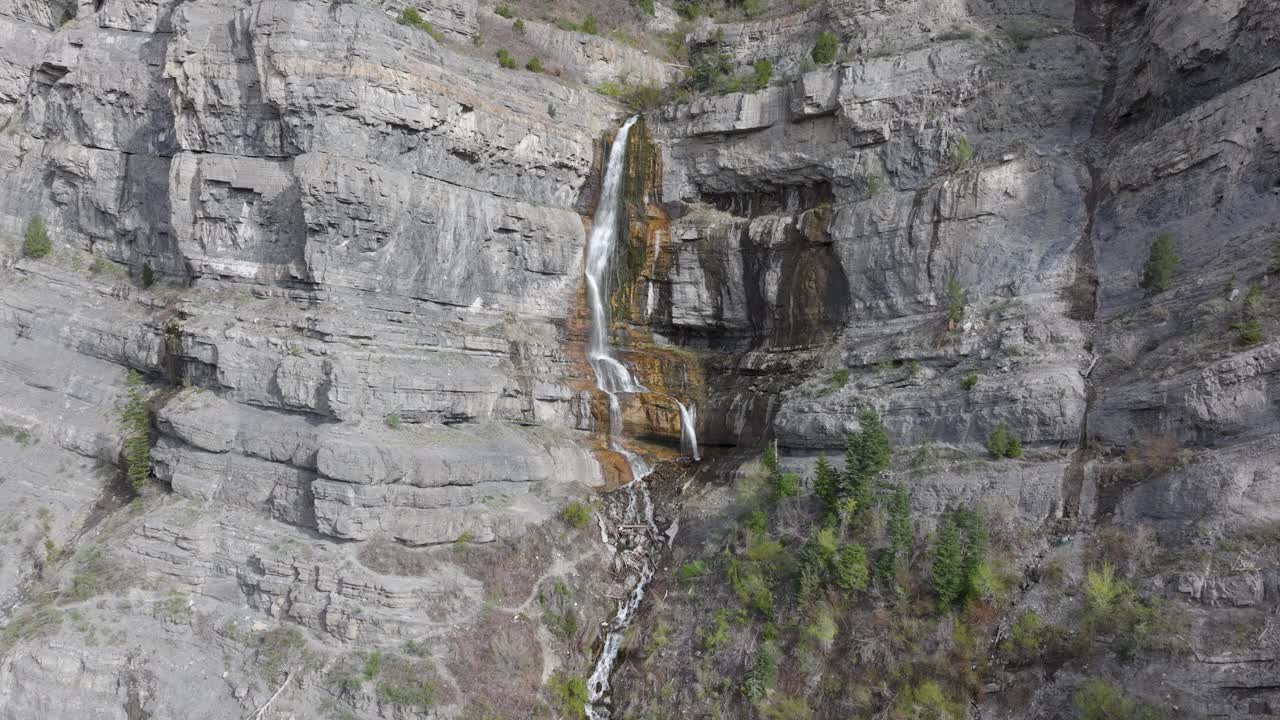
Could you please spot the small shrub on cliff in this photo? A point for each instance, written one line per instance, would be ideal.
(690, 571)
(1250, 333)
(35, 242)
(504, 10)
(824, 50)
(518, 26)
(1100, 700)
(840, 378)
(645, 6)
(764, 71)
(961, 153)
(955, 303)
(588, 25)
(505, 59)
(534, 65)
(372, 664)
(570, 693)
(392, 421)
(576, 514)
(1161, 262)
(969, 381)
(411, 17)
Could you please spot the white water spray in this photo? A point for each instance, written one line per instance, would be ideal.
(688, 429)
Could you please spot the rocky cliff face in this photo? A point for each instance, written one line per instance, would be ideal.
(344, 253)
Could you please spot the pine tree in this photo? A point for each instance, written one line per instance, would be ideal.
(877, 451)
(137, 433)
(35, 241)
(852, 465)
(826, 485)
(887, 569)
(900, 532)
(947, 574)
(851, 568)
(975, 548)
(1158, 271)
(998, 443)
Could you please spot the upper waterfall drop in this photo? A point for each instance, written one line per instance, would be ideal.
(611, 375)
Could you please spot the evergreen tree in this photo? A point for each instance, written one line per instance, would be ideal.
(975, 549)
(947, 574)
(826, 485)
(851, 568)
(137, 433)
(998, 443)
(900, 531)
(1158, 271)
(877, 451)
(887, 569)
(866, 457)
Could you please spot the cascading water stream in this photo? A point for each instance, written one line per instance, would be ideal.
(614, 378)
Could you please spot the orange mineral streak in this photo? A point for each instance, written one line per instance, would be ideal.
(651, 421)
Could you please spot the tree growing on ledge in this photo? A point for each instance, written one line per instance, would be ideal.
(824, 50)
(35, 242)
(1158, 271)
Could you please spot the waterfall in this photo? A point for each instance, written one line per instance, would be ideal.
(688, 429)
(613, 378)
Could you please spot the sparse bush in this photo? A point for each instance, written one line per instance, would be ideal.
(840, 378)
(824, 50)
(35, 241)
(505, 60)
(148, 275)
(477, 40)
(645, 6)
(372, 664)
(588, 25)
(411, 17)
(969, 381)
(570, 693)
(752, 8)
(1158, 270)
(873, 185)
(763, 72)
(576, 514)
(955, 303)
(534, 65)
(1154, 455)
(1250, 333)
(1100, 700)
(504, 10)
(1031, 637)
(408, 682)
(558, 613)
(518, 26)
(961, 153)
(392, 421)
(713, 637)
(609, 88)
(787, 707)
(690, 571)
